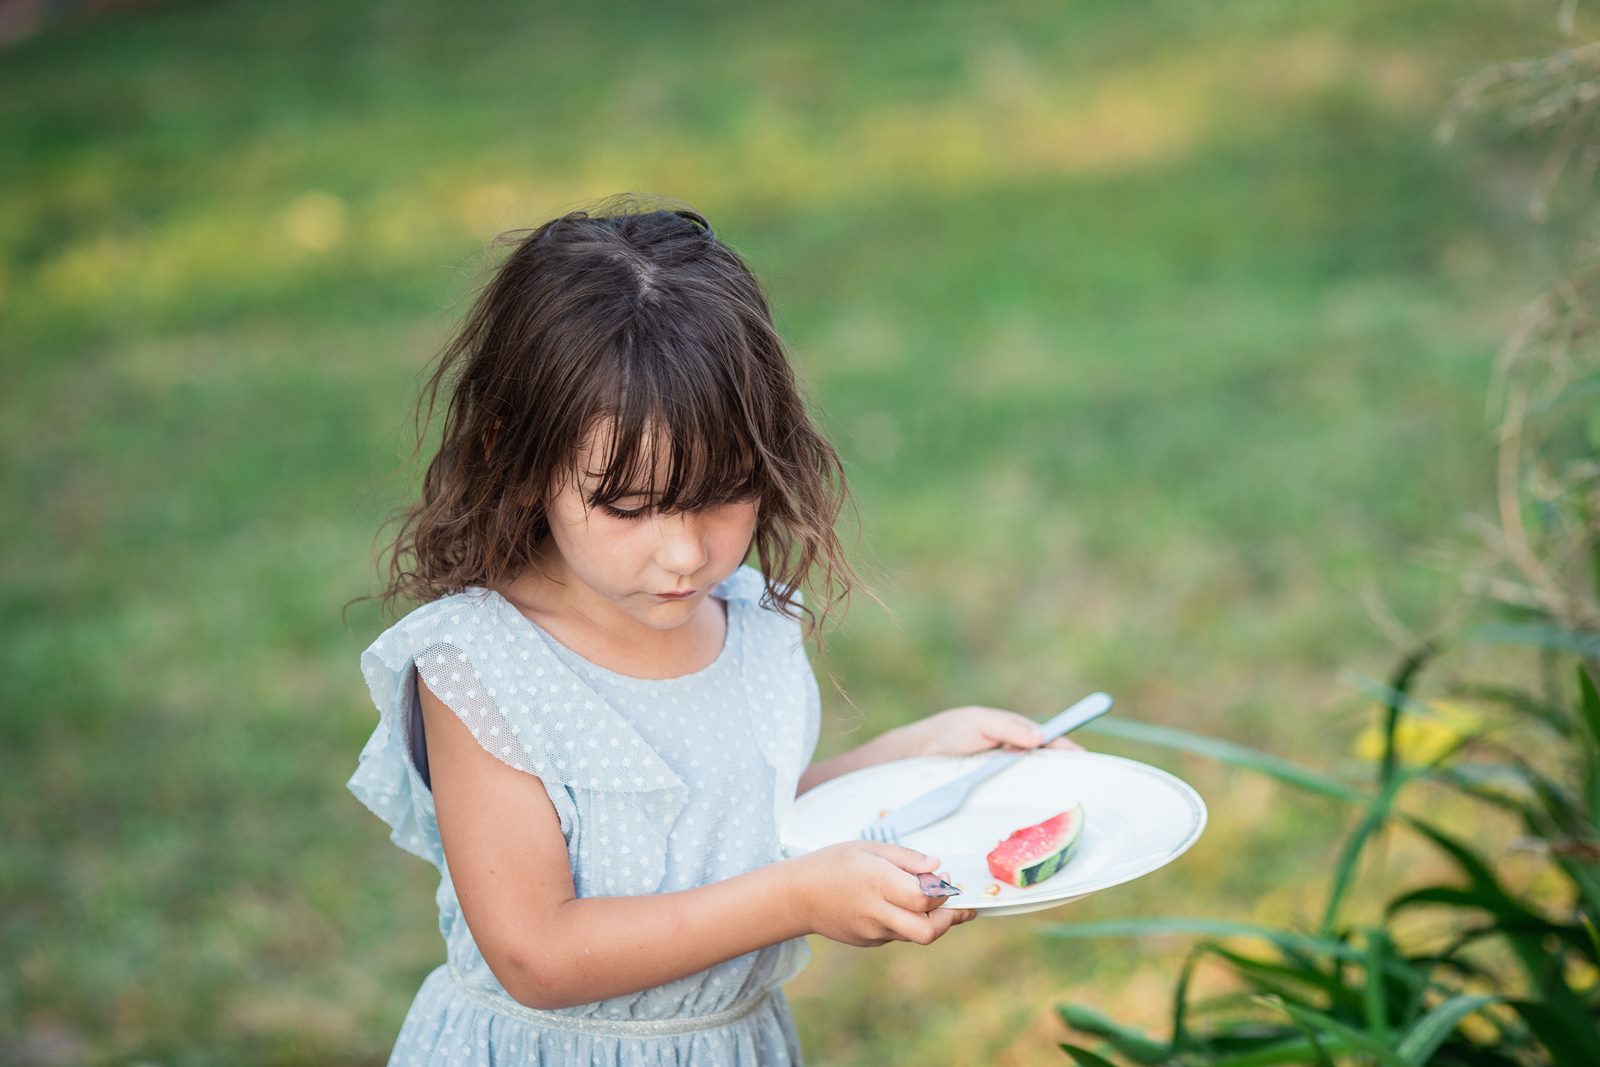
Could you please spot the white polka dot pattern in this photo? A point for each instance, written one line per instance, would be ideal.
(659, 784)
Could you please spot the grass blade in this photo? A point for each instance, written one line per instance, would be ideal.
(1228, 752)
(1569, 1036)
(1589, 708)
(1318, 1022)
(1293, 1051)
(1376, 999)
(1292, 944)
(1377, 813)
(1589, 704)
(1557, 719)
(1125, 1039)
(1537, 635)
(1424, 1039)
(1084, 1058)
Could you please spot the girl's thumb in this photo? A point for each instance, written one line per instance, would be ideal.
(908, 859)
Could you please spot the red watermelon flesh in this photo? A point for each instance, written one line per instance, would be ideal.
(1034, 853)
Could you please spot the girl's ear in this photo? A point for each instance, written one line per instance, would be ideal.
(489, 438)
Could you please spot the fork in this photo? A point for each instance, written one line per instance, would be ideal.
(940, 802)
(933, 885)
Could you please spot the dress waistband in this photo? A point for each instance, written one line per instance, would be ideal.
(583, 1024)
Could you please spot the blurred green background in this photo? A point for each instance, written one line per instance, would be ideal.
(1155, 337)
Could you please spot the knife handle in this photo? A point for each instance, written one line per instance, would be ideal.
(1084, 711)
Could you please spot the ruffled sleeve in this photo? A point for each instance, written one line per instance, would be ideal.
(780, 684)
(527, 709)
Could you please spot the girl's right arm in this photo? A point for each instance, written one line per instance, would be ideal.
(550, 948)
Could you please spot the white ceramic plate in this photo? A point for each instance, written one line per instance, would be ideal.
(1136, 818)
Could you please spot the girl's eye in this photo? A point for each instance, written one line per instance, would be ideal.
(625, 513)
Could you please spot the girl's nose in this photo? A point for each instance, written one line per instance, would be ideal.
(683, 544)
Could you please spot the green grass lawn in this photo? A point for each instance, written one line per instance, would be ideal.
(1151, 335)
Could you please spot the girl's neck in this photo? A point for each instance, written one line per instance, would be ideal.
(604, 636)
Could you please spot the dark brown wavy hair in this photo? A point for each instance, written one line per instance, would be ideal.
(646, 319)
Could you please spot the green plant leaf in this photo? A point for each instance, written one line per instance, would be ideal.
(1397, 703)
(1508, 914)
(1376, 815)
(1589, 708)
(1424, 1039)
(1279, 978)
(1228, 752)
(1485, 781)
(1376, 1001)
(1557, 719)
(1568, 1035)
(1292, 944)
(1531, 954)
(1125, 1039)
(1589, 703)
(1538, 635)
(1084, 1058)
(1296, 1050)
(1321, 1022)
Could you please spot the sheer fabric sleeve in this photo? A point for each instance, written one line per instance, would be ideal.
(525, 708)
(386, 778)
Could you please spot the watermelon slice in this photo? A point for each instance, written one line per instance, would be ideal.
(1034, 853)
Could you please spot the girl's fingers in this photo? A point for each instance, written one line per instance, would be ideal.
(1009, 728)
(907, 859)
(911, 897)
(918, 927)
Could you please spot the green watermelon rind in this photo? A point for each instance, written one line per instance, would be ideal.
(1043, 865)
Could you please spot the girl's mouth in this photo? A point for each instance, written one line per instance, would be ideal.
(675, 596)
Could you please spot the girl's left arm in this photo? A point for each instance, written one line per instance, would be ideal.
(952, 732)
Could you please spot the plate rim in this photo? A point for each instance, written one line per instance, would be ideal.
(1200, 814)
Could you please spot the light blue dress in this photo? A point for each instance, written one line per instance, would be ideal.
(659, 785)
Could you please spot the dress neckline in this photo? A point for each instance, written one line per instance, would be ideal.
(732, 604)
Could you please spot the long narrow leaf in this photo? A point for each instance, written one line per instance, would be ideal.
(1286, 941)
(1180, 996)
(1376, 1000)
(1398, 702)
(1084, 1058)
(1354, 1038)
(1559, 999)
(1508, 914)
(1377, 814)
(1293, 1051)
(1568, 1035)
(1279, 979)
(1537, 635)
(1589, 708)
(1228, 752)
(1387, 693)
(1589, 704)
(1424, 1039)
(1488, 782)
(1557, 719)
(1125, 1039)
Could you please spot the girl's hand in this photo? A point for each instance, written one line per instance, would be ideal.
(963, 731)
(866, 893)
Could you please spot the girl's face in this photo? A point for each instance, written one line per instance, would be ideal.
(653, 567)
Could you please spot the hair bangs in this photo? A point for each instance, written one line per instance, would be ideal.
(681, 438)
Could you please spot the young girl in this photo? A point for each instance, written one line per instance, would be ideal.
(600, 717)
